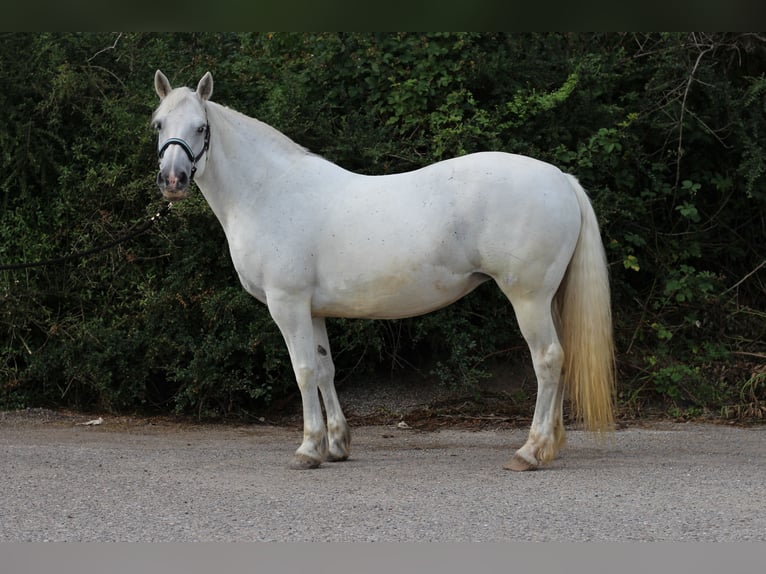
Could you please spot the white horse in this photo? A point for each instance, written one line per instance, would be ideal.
(312, 240)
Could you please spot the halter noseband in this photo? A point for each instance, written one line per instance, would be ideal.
(188, 150)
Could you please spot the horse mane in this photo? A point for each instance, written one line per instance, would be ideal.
(264, 130)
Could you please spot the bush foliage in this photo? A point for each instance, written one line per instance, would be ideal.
(666, 131)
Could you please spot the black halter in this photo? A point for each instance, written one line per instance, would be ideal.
(188, 150)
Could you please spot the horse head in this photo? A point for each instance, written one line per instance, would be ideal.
(183, 134)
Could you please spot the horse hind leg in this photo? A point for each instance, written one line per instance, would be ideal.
(546, 434)
(338, 433)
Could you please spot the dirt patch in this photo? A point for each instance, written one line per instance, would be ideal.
(415, 402)
(480, 411)
(36, 416)
(506, 401)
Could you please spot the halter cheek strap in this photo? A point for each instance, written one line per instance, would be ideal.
(188, 150)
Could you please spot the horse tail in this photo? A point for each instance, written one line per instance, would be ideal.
(585, 325)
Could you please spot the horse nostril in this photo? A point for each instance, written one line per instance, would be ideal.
(170, 179)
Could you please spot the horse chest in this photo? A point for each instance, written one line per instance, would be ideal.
(263, 264)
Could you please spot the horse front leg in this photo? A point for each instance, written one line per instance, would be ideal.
(337, 428)
(293, 317)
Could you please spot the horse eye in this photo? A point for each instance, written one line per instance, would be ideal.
(158, 126)
(200, 129)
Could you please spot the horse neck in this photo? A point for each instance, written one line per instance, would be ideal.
(245, 154)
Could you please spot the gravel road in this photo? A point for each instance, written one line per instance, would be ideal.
(137, 480)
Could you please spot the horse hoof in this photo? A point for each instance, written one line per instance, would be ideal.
(519, 464)
(340, 444)
(337, 457)
(339, 452)
(303, 462)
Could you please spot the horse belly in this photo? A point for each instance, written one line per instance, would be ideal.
(392, 296)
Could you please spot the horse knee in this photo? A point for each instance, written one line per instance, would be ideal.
(306, 377)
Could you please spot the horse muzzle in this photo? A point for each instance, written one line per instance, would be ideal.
(173, 186)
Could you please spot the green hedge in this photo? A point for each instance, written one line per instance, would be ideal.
(664, 130)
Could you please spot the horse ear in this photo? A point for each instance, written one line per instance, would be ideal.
(161, 84)
(205, 86)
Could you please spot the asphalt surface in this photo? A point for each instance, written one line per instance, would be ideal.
(132, 480)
